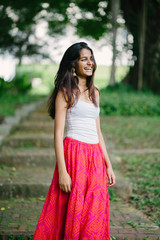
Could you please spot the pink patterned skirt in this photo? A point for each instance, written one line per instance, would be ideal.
(82, 214)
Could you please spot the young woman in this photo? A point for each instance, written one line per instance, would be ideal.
(77, 204)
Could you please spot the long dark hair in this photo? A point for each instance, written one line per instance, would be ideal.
(67, 82)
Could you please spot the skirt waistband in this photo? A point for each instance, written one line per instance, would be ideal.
(80, 142)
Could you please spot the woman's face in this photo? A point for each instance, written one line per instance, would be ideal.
(85, 64)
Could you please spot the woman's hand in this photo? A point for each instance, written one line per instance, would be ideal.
(65, 182)
(111, 176)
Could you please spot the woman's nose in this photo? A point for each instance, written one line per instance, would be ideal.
(89, 62)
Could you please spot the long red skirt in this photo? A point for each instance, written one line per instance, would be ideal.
(82, 214)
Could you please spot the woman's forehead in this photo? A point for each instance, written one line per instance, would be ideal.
(85, 52)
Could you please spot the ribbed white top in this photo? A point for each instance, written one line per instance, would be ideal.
(81, 122)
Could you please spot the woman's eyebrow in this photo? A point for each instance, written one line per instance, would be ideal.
(83, 57)
(86, 57)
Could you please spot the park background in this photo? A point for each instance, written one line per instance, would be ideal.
(125, 37)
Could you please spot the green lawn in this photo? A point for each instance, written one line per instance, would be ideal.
(131, 132)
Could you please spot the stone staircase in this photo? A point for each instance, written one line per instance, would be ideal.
(27, 157)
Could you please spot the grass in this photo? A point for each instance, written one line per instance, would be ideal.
(131, 132)
(112, 195)
(143, 171)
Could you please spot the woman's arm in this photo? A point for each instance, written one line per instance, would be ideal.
(59, 125)
(110, 173)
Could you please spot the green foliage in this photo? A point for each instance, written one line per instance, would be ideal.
(18, 20)
(22, 82)
(24, 76)
(11, 238)
(112, 195)
(30, 237)
(45, 72)
(18, 17)
(133, 224)
(86, 27)
(113, 238)
(4, 86)
(123, 100)
(20, 238)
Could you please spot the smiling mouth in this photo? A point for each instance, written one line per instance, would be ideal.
(88, 69)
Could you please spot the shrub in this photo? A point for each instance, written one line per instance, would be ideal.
(124, 100)
(22, 81)
(4, 85)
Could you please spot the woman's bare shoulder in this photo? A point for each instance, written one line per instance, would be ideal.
(97, 93)
(60, 99)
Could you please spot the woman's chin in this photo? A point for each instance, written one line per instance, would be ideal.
(89, 74)
(85, 75)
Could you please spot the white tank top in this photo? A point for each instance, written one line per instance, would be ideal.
(81, 122)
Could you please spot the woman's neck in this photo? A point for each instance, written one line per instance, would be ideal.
(82, 84)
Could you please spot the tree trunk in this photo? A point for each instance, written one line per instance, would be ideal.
(141, 46)
(19, 54)
(146, 71)
(115, 9)
(20, 60)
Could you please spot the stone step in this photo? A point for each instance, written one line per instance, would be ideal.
(42, 109)
(30, 140)
(27, 157)
(25, 182)
(39, 117)
(34, 182)
(34, 126)
(25, 190)
(122, 187)
(20, 216)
